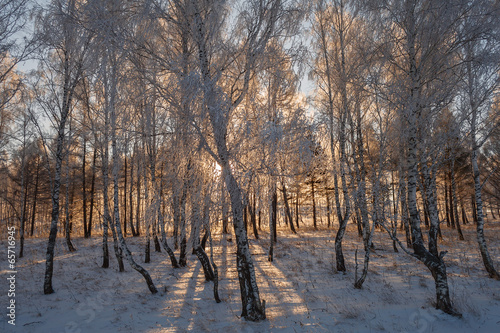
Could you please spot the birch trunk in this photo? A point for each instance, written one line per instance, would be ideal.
(164, 242)
(116, 194)
(253, 308)
(477, 198)
(49, 263)
(431, 259)
(483, 248)
(24, 186)
(72, 71)
(360, 173)
(108, 221)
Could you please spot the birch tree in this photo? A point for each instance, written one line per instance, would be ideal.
(226, 61)
(423, 39)
(67, 45)
(335, 25)
(110, 17)
(481, 55)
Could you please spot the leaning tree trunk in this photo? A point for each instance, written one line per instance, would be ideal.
(288, 211)
(116, 193)
(218, 113)
(431, 259)
(164, 243)
(195, 227)
(483, 248)
(69, 86)
(478, 211)
(49, 263)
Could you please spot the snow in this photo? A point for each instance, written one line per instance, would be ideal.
(303, 292)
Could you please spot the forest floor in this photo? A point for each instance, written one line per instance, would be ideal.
(302, 289)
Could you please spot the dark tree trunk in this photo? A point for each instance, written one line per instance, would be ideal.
(183, 243)
(287, 209)
(274, 207)
(451, 206)
(473, 205)
(297, 208)
(253, 216)
(183, 253)
(138, 203)
(125, 194)
(464, 215)
(84, 187)
(426, 212)
(92, 194)
(157, 243)
(167, 248)
(177, 219)
(23, 215)
(147, 251)
(260, 219)
(328, 209)
(205, 263)
(225, 213)
(105, 249)
(446, 203)
(313, 203)
(245, 217)
(204, 240)
(357, 217)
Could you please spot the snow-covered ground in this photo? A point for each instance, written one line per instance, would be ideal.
(303, 292)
